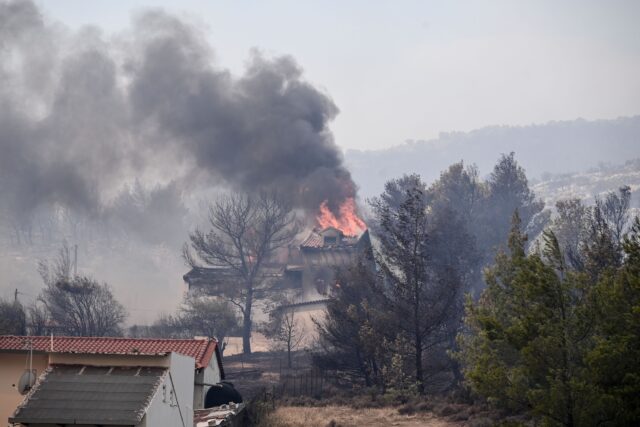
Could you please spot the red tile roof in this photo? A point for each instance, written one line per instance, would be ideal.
(313, 241)
(200, 349)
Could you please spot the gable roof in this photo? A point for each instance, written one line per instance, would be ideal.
(77, 394)
(201, 349)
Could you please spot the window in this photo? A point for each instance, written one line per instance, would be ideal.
(330, 240)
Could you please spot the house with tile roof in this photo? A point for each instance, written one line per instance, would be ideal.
(103, 393)
(92, 367)
(305, 269)
(321, 253)
(303, 273)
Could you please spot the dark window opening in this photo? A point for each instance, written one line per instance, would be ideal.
(294, 278)
(330, 240)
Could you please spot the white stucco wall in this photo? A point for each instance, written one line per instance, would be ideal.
(172, 404)
(208, 375)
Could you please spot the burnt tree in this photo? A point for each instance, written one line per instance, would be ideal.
(246, 230)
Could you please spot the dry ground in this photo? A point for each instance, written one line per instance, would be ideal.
(260, 371)
(345, 416)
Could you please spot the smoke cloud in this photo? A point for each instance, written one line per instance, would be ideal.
(85, 116)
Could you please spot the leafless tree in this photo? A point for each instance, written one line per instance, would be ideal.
(57, 270)
(246, 230)
(287, 330)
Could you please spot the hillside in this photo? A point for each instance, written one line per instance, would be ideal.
(546, 150)
(588, 184)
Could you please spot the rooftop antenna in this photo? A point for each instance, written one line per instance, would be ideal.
(28, 378)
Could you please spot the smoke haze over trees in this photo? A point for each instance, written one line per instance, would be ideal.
(13, 318)
(553, 335)
(198, 315)
(432, 243)
(111, 140)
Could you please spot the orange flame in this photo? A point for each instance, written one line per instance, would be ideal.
(348, 221)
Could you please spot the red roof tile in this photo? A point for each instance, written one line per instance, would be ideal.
(200, 349)
(313, 241)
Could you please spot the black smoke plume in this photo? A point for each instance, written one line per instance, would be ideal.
(84, 115)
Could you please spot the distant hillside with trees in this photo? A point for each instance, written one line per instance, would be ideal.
(551, 148)
(588, 184)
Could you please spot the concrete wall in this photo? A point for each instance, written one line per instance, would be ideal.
(172, 405)
(12, 365)
(305, 316)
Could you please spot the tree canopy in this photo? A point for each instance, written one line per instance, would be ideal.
(545, 338)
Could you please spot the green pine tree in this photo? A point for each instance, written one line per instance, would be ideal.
(614, 361)
(525, 342)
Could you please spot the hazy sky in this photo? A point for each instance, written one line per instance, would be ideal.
(402, 70)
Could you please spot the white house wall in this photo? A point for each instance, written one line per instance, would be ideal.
(175, 409)
(209, 375)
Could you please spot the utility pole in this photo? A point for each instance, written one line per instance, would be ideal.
(15, 295)
(75, 259)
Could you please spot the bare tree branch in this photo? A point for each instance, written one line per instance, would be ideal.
(245, 232)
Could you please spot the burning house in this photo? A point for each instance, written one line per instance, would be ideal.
(299, 277)
(302, 274)
(321, 253)
(305, 271)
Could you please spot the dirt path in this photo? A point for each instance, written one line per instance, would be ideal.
(296, 416)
